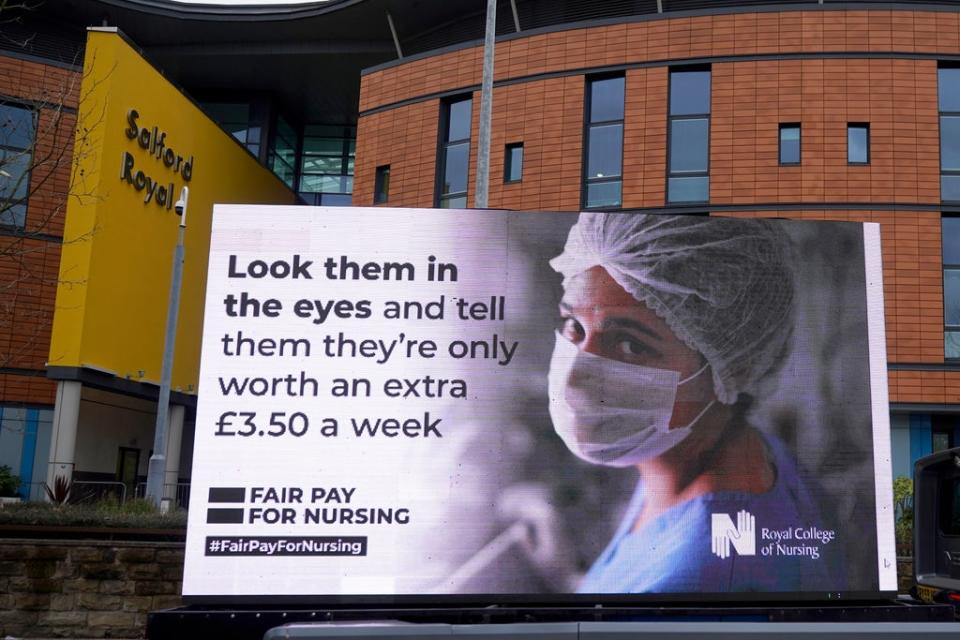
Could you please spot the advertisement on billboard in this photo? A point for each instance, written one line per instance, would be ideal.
(399, 404)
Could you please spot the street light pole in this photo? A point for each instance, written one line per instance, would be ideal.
(158, 461)
(486, 108)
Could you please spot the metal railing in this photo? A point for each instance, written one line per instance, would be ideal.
(178, 493)
(81, 491)
(88, 491)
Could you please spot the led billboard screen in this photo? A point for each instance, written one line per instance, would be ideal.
(398, 404)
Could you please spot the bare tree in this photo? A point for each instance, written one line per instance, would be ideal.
(40, 171)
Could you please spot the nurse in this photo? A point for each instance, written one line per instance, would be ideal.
(671, 325)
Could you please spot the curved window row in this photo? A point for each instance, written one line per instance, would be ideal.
(688, 141)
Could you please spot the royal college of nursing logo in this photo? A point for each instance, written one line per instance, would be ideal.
(743, 537)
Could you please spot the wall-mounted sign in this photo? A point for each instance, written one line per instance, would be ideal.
(154, 142)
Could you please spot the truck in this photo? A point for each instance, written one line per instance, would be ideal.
(323, 508)
(936, 528)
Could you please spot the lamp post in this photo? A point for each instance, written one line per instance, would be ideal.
(486, 108)
(158, 461)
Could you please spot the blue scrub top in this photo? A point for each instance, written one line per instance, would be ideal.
(672, 553)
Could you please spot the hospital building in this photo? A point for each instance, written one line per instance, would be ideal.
(810, 109)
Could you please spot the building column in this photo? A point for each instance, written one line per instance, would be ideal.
(63, 440)
(174, 436)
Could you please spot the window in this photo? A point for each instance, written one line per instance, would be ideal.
(326, 164)
(453, 163)
(790, 143)
(942, 440)
(513, 162)
(381, 185)
(16, 154)
(688, 162)
(282, 158)
(949, 506)
(242, 120)
(603, 138)
(858, 143)
(948, 84)
(942, 429)
(950, 234)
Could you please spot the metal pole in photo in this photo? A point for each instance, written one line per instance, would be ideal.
(486, 108)
(158, 461)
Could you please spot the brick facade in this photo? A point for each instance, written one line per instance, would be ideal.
(30, 261)
(817, 68)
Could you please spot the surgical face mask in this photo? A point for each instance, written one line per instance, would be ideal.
(610, 412)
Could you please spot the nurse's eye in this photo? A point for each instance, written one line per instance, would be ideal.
(571, 329)
(629, 347)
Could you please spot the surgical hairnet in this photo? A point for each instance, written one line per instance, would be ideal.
(723, 286)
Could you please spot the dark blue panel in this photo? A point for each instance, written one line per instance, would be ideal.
(948, 85)
(605, 151)
(689, 93)
(458, 125)
(689, 144)
(606, 99)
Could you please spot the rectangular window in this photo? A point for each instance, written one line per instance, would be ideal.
(949, 505)
(858, 143)
(243, 120)
(790, 143)
(942, 428)
(453, 163)
(948, 89)
(17, 130)
(513, 162)
(326, 164)
(282, 157)
(688, 160)
(950, 241)
(381, 185)
(603, 142)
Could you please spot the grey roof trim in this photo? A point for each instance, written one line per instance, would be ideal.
(20, 55)
(923, 366)
(924, 407)
(772, 7)
(107, 381)
(264, 12)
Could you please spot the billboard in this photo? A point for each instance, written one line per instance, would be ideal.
(398, 404)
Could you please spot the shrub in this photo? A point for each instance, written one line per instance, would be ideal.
(136, 514)
(9, 483)
(61, 490)
(135, 507)
(903, 512)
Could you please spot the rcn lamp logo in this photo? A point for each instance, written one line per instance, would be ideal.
(743, 537)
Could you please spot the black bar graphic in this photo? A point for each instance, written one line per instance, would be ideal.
(226, 494)
(224, 516)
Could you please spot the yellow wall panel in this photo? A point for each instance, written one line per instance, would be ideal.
(121, 227)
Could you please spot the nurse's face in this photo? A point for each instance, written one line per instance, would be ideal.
(601, 318)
